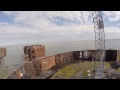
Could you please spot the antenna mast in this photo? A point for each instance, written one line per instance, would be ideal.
(99, 43)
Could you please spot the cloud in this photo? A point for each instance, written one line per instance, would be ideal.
(112, 15)
(54, 25)
(43, 24)
(27, 17)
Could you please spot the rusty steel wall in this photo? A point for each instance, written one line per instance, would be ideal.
(33, 68)
(12, 76)
(3, 53)
(118, 55)
(16, 73)
(37, 52)
(77, 55)
(38, 62)
(111, 55)
(26, 53)
(67, 57)
(63, 58)
(52, 61)
(58, 59)
(87, 55)
(45, 65)
(70, 56)
(34, 52)
(28, 70)
(95, 54)
(47, 62)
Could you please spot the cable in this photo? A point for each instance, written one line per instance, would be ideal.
(33, 23)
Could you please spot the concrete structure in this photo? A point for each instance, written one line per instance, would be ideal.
(34, 52)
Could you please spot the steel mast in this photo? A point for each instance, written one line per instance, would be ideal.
(99, 43)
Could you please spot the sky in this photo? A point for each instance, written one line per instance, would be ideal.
(25, 27)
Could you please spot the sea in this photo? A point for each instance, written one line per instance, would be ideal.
(14, 59)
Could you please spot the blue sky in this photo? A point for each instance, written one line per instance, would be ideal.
(23, 27)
